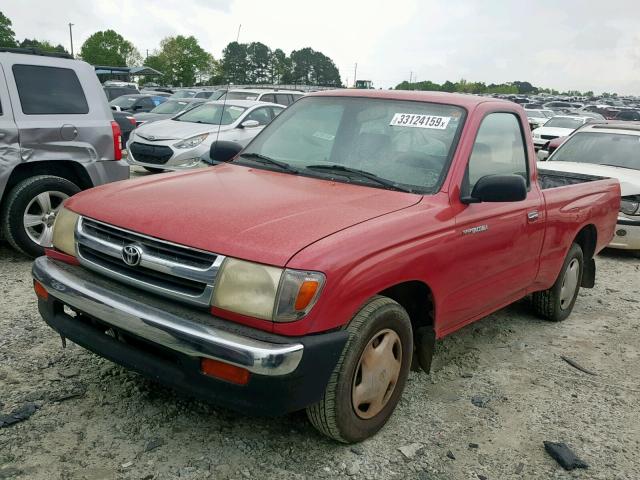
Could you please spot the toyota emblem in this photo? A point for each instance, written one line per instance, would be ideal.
(131, 255)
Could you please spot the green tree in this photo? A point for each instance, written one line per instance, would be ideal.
(182, 61)
(109, 48)
(279, 67)
(235, 63)
(314, 68)
(43, 45)
(258, 58)
(7, 35)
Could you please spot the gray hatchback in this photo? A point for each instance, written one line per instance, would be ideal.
(57, 137)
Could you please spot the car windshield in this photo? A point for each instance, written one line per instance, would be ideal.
(242, 96)
(124, 101)
(601, 148)
(408, 144)
(563, 122)
(217, 95)
(183, 94)
(170, 107)
(212, 113)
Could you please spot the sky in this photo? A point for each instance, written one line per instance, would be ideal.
(562, 44)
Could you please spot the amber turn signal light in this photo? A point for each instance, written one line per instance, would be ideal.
(224, 371)
(306, 293)
(41, 292)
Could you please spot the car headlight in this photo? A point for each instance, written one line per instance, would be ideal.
(536, 135)
(630, 207)
(265, 292)
(64, 229)
(192, 141)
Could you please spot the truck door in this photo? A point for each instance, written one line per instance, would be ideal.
(497, 245)
(9, 144)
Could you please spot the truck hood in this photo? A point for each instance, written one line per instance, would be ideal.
(237, 211)
(629, 179)
(174, 130)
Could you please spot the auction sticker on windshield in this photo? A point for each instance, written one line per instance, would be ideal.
(419, 121)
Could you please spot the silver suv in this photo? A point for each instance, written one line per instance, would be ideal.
(57, 137)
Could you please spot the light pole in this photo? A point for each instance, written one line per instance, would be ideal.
(71, 37)
(355, 74)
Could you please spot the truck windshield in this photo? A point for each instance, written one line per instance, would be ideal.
(615, 149)
(408, 144)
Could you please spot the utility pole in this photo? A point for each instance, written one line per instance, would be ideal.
(71, 38)
(147, 54)
(355, 71)
(410, 76)
(238, 35)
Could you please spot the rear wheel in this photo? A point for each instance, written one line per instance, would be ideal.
(370, 376)
(30, 210)
(557, 302)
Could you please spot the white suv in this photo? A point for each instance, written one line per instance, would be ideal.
(281, 97)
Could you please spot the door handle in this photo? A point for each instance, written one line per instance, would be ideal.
(533, 215)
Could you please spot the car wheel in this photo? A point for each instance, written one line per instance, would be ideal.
(30, 210)
(557, 302)
(370, 376)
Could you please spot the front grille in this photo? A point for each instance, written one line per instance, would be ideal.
(154, 154)
(549, 137)
(165, 268)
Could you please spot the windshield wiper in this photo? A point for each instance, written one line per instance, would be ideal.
(269, 161)
(341, 169)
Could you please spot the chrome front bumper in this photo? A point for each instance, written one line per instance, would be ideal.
(185, 330)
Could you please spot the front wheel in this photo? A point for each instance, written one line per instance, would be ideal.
(370, 376)
(557, 302)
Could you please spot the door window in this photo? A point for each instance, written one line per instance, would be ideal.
(261, 115)
(283, 99)
(49, 90)
(499, 149)
(268, 97)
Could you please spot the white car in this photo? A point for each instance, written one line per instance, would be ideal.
(607, 150)
(538, 117)
(558, 126)
(182, 141)
(281, 97)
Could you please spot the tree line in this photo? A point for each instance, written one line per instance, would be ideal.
(464, 86)
(183, 62)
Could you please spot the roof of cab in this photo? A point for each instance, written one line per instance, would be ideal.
(464, 100)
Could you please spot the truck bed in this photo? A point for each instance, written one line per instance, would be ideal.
(552, 178)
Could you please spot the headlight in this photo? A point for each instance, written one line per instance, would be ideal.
(265, 292)
(630, 207)
(192, 142)
(64, 231)
(536, 135)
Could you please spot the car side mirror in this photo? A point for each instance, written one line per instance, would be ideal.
(542, 155)
(223, 151)
(498, 188)
(250, 124)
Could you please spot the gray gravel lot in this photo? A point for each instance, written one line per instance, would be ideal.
(95, 420)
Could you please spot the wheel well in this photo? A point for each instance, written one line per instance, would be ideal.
(67, 169)
(587, 238)
(416, 298)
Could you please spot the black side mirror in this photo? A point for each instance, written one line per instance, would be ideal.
(498, 188)
(224, 151)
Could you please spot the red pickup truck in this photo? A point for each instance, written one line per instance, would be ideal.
(309, 269)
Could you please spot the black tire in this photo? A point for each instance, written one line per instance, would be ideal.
(549, 303)
(153, 170)
(335, 416)
(16, 203)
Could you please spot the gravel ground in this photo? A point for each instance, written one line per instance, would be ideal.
(95, 420)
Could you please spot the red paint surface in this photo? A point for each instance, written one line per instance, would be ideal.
(63, 257)
(365, 239)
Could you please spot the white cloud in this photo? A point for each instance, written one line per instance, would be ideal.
(580, 44)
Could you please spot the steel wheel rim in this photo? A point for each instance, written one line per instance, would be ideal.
(377, 374)
(569, 283)
(40, 214)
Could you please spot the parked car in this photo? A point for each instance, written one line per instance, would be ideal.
(127, 124)
(550, 147)
(558, 126)
(156, 93)
(136, 103)
(628, 115)
(118, 89)
(559, 106)
(282, 97)
(198, 93)
(57, 137)
(350, 234)
(608, 150)
(168, 109)
(182, 141)
(538, 117)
